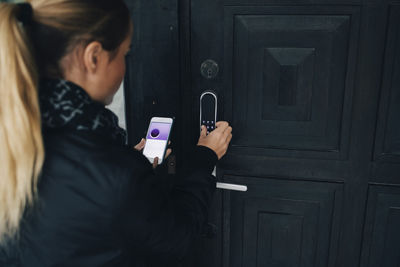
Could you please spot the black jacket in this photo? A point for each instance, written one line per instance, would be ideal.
(101, 204)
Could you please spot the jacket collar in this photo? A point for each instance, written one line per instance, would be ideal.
(66, 106)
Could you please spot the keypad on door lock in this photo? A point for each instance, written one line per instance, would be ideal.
(210, 125)
(208, 110)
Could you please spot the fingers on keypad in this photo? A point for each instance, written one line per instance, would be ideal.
(210, 125)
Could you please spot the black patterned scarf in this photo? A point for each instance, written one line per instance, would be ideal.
(66, 105)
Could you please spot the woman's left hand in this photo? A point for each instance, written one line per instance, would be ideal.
(140, 146)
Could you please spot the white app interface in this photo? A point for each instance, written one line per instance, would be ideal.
(156, 139)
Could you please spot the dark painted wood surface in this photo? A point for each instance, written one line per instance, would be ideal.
(311, 88)
(152, 80)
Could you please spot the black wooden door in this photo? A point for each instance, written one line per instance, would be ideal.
(312, 90)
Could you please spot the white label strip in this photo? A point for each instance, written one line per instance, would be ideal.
(234, 187)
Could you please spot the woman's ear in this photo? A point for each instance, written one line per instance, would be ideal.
(92, 56)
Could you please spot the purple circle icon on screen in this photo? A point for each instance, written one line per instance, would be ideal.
(155, 133)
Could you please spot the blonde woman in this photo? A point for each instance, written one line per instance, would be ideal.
(71, 192)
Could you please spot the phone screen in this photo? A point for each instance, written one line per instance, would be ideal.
(156, 140)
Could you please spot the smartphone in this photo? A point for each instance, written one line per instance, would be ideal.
(157, 138)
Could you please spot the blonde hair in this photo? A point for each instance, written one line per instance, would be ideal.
(21, 153)
(57, 27)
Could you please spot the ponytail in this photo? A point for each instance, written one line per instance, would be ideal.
(21, 145)
(55, 28)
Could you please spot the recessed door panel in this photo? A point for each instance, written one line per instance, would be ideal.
(281, 223)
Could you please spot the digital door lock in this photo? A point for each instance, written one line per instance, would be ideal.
(208, 117)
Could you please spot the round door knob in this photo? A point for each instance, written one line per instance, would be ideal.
(209, 69)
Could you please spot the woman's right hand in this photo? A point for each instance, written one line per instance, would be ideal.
(217, 140)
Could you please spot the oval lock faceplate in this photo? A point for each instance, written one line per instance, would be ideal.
(209, 69)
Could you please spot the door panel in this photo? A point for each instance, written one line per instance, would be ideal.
(387, 144)
(382, 234)
(289, 77)
(281, 222)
